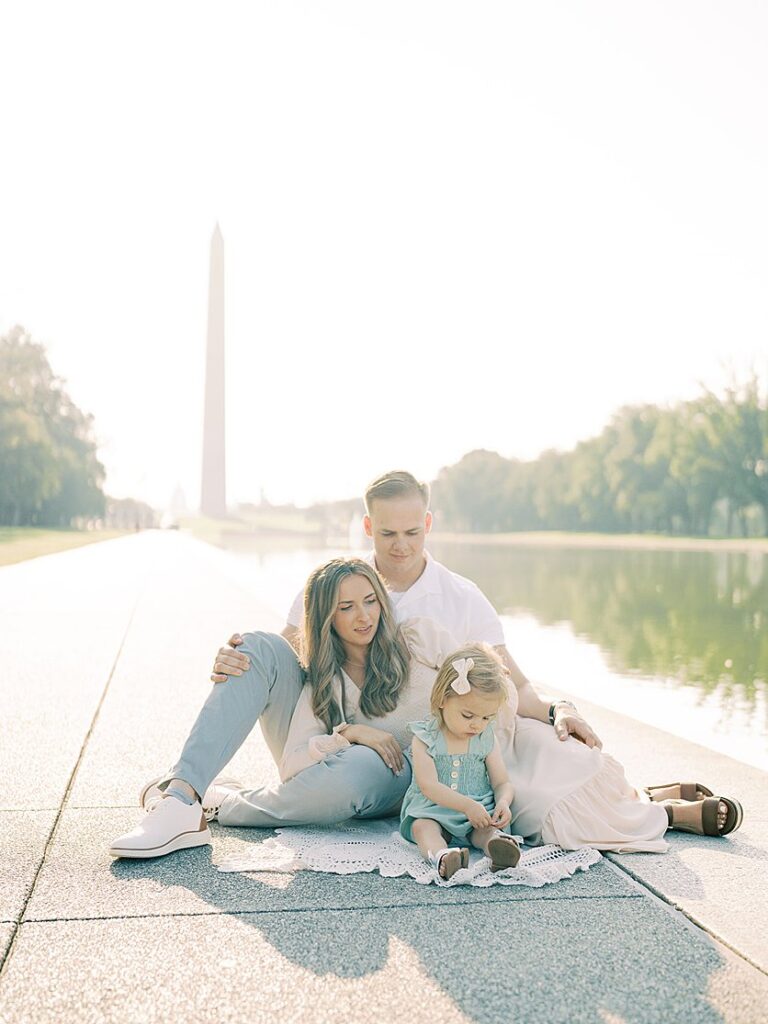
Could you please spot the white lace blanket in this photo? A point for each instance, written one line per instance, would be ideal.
(346, 849)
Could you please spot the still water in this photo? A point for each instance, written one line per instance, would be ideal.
(674, 638)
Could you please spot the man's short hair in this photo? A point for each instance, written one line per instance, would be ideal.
(396, 484)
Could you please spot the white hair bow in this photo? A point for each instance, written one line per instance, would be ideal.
(462, 667)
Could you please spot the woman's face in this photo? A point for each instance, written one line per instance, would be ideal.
(357, 615)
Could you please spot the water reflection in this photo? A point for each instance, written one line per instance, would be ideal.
(674, 639)
(698, 617)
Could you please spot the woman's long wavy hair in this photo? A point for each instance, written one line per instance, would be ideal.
(386, 670)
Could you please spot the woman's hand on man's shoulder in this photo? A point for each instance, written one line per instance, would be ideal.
(229, 662)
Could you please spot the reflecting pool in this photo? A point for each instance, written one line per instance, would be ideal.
(674, 638)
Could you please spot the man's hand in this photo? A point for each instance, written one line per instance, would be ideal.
(229, 662)
(477, 814)
(384, 743)
(502, 815)
(570, 723)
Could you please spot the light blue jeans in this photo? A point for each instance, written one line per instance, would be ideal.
(355, 783)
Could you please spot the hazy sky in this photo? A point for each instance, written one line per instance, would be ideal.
(447, 226)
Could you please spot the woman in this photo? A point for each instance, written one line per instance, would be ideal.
(339, 739)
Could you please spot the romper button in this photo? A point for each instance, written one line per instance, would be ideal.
(454, 775)
(454, 786)
(455, 764)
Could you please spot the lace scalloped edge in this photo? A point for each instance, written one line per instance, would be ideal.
(374, 846)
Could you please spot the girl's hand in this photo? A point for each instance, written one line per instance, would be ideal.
(502, 815)
(229, 662)
(384, 743)
(477, 814)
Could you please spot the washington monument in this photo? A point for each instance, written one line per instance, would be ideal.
(213, 492)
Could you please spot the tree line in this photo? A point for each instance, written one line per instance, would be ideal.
(49, 472)
(698, 468)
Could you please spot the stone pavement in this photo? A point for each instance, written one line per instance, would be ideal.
(105, 653)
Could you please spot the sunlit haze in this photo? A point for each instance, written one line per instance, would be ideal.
(447, 226)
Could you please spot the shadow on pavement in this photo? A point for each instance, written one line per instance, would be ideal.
(606, 958)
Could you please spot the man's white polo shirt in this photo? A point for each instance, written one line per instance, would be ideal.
(455, 603)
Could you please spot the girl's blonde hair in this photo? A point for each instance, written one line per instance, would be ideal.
(487, 675)
(323, 654)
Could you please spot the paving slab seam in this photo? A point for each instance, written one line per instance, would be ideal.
(360, 908)
(674, 908)
(80, 807)
(27, 810)
(70, 783)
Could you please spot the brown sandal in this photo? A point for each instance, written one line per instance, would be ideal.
(684, 791)
(449, 860)
(504, 852)
(707, 824)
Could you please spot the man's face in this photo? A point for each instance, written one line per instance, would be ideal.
(398, 527)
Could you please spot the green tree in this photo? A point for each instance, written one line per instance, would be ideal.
(670, 495)
(550, 486)
(471, 495)
(49, 472)
(739, 441)
(589, 493)
(521, 513)
(628, 473)
(656, 469)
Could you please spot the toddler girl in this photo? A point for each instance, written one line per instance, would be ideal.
(460, 786)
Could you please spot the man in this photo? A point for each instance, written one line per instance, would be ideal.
(398, 520)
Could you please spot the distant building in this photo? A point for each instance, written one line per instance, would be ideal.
(213, 491)
(177, 506)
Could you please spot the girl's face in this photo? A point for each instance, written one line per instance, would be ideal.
(467, 714)
(357, 615)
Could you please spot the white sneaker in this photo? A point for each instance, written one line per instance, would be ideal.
(168, 826)
(220, 788)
